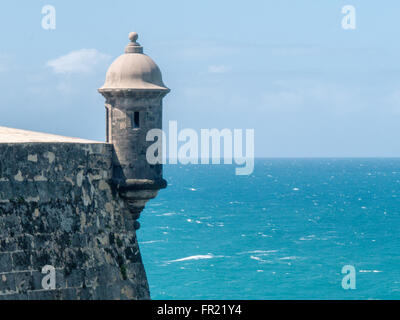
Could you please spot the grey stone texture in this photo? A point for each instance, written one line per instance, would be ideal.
(130, 143)
(59, 207)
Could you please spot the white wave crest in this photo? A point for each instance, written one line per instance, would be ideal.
(151, 241)
(196, 257)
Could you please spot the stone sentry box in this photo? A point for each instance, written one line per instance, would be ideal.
(73, 203)
(134, 91)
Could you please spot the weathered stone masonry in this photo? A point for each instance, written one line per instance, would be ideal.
(58, 207)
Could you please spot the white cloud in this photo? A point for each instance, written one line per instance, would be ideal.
(82, 61)
(218, 69)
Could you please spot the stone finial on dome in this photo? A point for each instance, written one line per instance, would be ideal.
(133, 36)
(133, 70)
(133, 47)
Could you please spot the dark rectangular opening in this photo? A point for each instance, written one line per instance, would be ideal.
(135, 122)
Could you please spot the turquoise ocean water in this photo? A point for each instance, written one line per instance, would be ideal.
(284, 232)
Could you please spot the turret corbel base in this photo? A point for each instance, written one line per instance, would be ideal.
(136, 193)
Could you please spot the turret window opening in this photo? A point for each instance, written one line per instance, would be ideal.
(135, 120)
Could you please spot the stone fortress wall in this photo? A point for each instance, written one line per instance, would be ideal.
(58, 207)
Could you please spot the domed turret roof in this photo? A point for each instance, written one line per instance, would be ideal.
(133, 70)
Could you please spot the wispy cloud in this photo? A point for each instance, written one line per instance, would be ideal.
(212, 50)
(315, 96)
(82, 61)
(293, 50)
(218, 69)
(206, 51)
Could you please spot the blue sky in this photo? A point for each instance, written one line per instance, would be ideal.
(288, 69)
